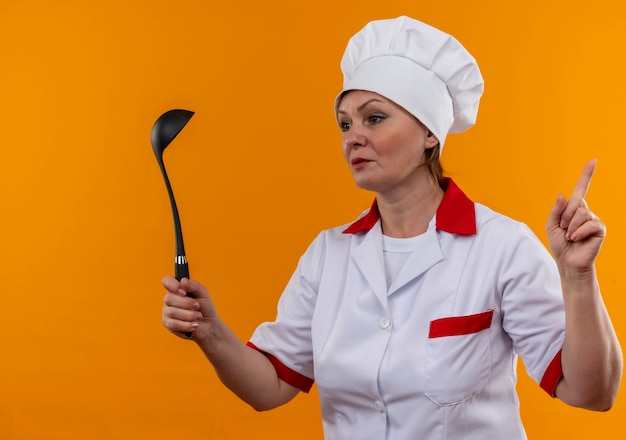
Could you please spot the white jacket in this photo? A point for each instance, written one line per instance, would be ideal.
(434, 356)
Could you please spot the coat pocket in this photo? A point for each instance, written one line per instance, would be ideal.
(458, 359)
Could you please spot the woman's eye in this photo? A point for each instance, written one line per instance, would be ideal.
(344, 125)
(376, 119)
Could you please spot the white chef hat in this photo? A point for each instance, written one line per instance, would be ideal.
(424, 70)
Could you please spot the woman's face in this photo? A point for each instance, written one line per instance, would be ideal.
(383, 143)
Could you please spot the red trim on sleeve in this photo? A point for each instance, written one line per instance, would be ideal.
(460, 325)
(553, 374)
(285, 373)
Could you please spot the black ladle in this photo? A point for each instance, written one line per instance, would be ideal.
(163, 133)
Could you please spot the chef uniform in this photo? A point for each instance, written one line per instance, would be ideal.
(418, 338)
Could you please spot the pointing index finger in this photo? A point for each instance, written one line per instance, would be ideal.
(582, 186)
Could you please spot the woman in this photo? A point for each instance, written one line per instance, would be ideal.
(410, 319)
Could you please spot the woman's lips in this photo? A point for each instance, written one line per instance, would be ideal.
(359, 162)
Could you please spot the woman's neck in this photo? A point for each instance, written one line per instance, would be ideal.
(409, 214)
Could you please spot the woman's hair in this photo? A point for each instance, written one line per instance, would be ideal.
(433, 164)
(431, 157)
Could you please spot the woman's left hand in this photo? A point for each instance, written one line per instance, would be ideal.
(575, 233)
(591, 357)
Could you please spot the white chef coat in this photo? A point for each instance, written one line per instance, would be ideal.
(434, 355)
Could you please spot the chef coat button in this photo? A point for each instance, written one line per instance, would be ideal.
(378, 405)
(384, 322)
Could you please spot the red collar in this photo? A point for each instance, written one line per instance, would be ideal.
(455, 214)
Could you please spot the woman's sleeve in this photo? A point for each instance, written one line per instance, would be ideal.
(287, 340)
(532, 306)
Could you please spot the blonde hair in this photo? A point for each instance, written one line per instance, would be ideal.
(433, 164)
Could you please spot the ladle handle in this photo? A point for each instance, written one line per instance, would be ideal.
(181, 267)
(181, 270)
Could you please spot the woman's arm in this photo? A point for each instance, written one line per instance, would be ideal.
(244, 370)
(591, 358)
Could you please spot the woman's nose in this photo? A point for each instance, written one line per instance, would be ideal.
(354, 137)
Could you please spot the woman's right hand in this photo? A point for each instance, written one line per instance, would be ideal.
(188, 311)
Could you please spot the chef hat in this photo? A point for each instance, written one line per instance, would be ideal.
(424, 70)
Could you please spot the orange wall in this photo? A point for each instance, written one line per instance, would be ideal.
(86, 227)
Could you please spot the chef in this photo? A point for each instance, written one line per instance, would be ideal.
(410, 319)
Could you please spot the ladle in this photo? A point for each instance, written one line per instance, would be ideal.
(164, 130)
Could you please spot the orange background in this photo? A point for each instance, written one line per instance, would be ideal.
(86, 227)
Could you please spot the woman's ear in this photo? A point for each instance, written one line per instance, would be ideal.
(431, 140)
